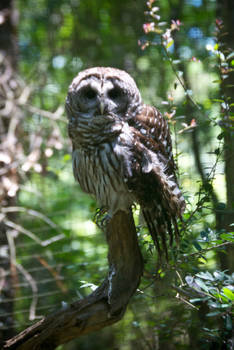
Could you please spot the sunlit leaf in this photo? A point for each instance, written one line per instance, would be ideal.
(205, 275)
(227, 236)
(217, 81)
(228, 293)
(170, 43)
(215, 313)
(201, 284)
(219, 275)
(214, 305)
(231, 55)
(218, 100)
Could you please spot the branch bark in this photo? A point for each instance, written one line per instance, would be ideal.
(105, 306)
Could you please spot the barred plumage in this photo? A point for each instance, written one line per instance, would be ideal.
(122, 150)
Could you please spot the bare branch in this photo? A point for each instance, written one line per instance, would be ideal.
(57, 115)
(30, 212)
(208, 249)
(21, 229)
(33, 284)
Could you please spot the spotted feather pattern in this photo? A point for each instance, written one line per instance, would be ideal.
(155, 187)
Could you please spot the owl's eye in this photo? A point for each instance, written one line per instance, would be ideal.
(115, 93)
(89, 93)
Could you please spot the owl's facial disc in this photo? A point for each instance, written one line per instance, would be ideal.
(101, 97)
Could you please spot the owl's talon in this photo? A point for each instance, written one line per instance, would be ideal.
(101, 218)
(99, 213)
(105, 221)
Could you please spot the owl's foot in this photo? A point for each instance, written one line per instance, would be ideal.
(105, 221)
(102, 218)
(99, 214)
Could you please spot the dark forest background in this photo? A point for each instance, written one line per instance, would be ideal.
(181, 55)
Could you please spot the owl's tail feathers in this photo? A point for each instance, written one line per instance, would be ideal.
(162, 211)
(161, 201)
(153, 229)
(163, 228)
(165, 212)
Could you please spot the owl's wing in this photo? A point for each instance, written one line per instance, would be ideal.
(153, 179)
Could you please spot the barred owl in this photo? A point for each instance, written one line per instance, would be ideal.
(122, 152)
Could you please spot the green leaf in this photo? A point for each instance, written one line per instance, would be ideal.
(195, 300)
(227, 236)
(219, 275)
(202, 260)
(197, 246)
(205, 275)
(218, 100)
(170, 43)
(201, 284)
(229, 294)
(176, 61)
(217, 241)
(214, 313)
(224, 306)
(217, 81)
(67, 157)
(230, 56)
(214, 305)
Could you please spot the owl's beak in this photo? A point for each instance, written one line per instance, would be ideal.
(102, 106)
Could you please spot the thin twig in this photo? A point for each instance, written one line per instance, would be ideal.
(33, 284)
(178, 296)
(30, 212)
(208, 249)
(21, 229)
(53, 116)
(182, 83)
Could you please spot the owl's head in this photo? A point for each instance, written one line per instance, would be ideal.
(103, 91)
